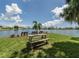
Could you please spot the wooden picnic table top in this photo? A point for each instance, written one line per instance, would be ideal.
(40, 34)
(31, 35)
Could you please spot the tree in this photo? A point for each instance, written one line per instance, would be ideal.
(16, 27)
(37, 26)
(71, 13)
(67, 1)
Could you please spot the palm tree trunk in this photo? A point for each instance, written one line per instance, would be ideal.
(38, 31)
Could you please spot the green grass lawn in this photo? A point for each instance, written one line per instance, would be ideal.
(59, 46)
(10, 45)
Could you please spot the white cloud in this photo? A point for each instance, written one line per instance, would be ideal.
(13, 9)
(26, 0)
(52, 23)
(12, 13)
(16, 18)
(59, 10)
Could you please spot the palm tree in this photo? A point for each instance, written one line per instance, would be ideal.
(37, 26)
(72, 12)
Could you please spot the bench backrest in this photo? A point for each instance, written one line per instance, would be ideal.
(37, 37)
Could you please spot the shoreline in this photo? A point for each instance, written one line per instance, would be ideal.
(42, 29)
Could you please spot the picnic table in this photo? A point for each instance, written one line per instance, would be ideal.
(37, 40)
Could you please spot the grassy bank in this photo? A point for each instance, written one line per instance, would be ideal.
(10, 45)
(59, 46)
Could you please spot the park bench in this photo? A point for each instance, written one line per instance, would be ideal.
(37, 40)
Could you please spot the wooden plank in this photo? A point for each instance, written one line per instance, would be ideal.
(37, 34)
(40, 40)
(38, 45)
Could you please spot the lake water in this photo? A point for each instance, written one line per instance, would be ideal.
(74, 33)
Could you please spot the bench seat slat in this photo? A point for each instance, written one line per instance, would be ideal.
(38, 45)
(39, 40)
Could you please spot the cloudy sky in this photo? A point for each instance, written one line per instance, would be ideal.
(25, 12)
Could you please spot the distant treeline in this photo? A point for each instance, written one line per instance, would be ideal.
(11, 28)
(45, 28)
(66, 28)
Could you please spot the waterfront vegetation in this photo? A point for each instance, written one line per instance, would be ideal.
(66, 28)
(50, 28)
(2, 28)
(59, 46)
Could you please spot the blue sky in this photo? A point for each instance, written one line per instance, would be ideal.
(39, 10)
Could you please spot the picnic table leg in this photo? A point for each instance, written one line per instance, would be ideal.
(30, 40)
(46, 41)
